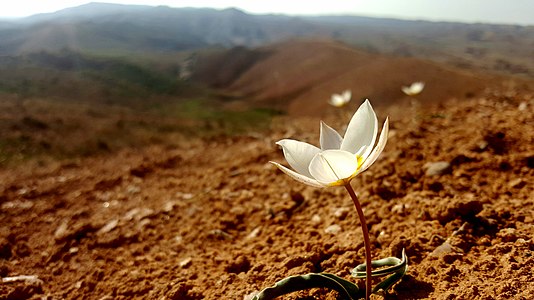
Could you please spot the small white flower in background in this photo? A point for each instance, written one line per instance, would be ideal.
(414, 89)
(340, 158)
(340, 100)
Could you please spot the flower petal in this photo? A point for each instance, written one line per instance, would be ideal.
(334, 167)
(414, 89)
(337, 100)
(298, 154)
(417, 87)
(362, 130)
(407, 90)
(297, 176)
(347, 95)
(379, 147)
(330, 139)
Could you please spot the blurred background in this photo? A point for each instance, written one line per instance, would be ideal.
(79, 78)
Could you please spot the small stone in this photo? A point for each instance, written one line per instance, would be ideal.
(169, 206)
(437, 168)
(521, 241)
(108, 227)
(447, 252)
(17, 204)
(75, 231)
(185, 262)
(138, 213)
(219, 234)
(482, 145)
(316, 218)
(143, 223)
(341, 213)
(517, 183)
(333, 229)
(31, 279)
(254, 233)
(61, 231)
(132, 189)
(398, 209)
(442, 249)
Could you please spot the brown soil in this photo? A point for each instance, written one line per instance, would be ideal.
(300, 76)
(214, 220)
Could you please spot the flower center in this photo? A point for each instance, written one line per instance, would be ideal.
(334, 167)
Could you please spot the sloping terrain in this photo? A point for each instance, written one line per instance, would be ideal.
(212, 219)
(299, 76)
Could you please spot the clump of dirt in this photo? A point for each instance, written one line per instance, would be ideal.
(214, 220)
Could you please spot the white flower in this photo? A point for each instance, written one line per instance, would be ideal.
(340, 100)
(339, 159)
(414, 89)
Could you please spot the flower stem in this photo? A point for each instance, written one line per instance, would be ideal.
(366, 241)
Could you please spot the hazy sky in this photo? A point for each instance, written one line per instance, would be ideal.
(488, 11)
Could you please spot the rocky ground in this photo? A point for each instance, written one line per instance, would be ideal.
(212, 219)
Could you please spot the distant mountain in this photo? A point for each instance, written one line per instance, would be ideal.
(99, 27)
(103, 28)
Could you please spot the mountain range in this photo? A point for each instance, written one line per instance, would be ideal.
(102, 28)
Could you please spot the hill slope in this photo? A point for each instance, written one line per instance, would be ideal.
(299, 76)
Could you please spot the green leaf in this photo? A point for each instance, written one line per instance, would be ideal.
(398, 267)
(346, 289)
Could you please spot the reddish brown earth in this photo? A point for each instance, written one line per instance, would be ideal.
(214, 220)
(299, 76)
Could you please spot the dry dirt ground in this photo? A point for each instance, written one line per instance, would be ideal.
(214, 220)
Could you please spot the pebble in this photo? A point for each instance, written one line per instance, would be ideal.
(138, 213)
(17, 204)
(333, 229)
(109, 226)
(442, 249)
(187, 196)
(169, 206)
(437, 168)
(517, 183)
(61, 231)
(132, 189)
(341, 213)
(219, 234)
(185, 262)
(398, 209)
(34, 279)
(254, 233)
